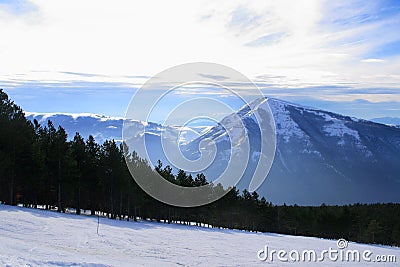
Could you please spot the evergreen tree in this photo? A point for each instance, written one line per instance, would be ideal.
(91, 172)
(15, 146)
(79, 155)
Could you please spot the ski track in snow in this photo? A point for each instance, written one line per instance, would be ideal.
(31, 237)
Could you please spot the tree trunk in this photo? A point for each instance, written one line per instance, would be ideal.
(12, 178)
(59, 209)
(129, 207)
(78, 203)
(92, 207)
(134, 214)
(120, 206)
(12, 189)
(111, 203)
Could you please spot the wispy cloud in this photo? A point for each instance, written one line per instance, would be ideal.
(326, 50)
(244, 19)
(373, 60)
(17, 7)
(82, 74)
(268, 39)
(215, 77)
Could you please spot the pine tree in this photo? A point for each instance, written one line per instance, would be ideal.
(91, 172)
(79, 155)
(15, 145)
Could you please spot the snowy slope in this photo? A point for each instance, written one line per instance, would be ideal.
(41, 238)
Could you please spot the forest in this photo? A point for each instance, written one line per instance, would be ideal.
(41, 168)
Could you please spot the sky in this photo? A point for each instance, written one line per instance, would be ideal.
(91, 56)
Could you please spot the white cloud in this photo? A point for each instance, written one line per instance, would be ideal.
(298, 41)
(373, 60)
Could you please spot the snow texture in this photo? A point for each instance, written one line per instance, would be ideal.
(31, 237)
(285, 125)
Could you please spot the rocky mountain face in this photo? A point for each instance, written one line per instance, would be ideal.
(321, 157)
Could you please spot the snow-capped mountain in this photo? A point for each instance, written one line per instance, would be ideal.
(321, 157)
(100, 127)
(107, 128)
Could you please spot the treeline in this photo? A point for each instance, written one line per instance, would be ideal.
(39, 166)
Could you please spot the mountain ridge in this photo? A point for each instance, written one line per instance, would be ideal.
(391, 121)
(321, 156)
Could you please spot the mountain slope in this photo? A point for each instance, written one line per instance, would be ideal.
(31, 237)
(321, 157)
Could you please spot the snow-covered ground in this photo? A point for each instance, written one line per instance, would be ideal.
(31, 237)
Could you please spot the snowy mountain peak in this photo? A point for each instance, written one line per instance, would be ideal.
(341, 156)
(43, 117)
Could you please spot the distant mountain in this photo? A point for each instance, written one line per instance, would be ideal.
(388, 121)
(100, 127)
(107, 128)
(321, 157)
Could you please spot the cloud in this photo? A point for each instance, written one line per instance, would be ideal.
(268, 39)
(244, 19)
(18, 13)
(215, 77)
(17, 7)
(285, 46)
(306, 41)
(373, 60)
(82, 74)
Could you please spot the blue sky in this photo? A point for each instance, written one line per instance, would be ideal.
(67, 56)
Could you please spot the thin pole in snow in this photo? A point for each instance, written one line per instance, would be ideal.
(98, 223)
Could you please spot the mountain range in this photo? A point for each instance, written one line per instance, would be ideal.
(321, 157)
(392, 121)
